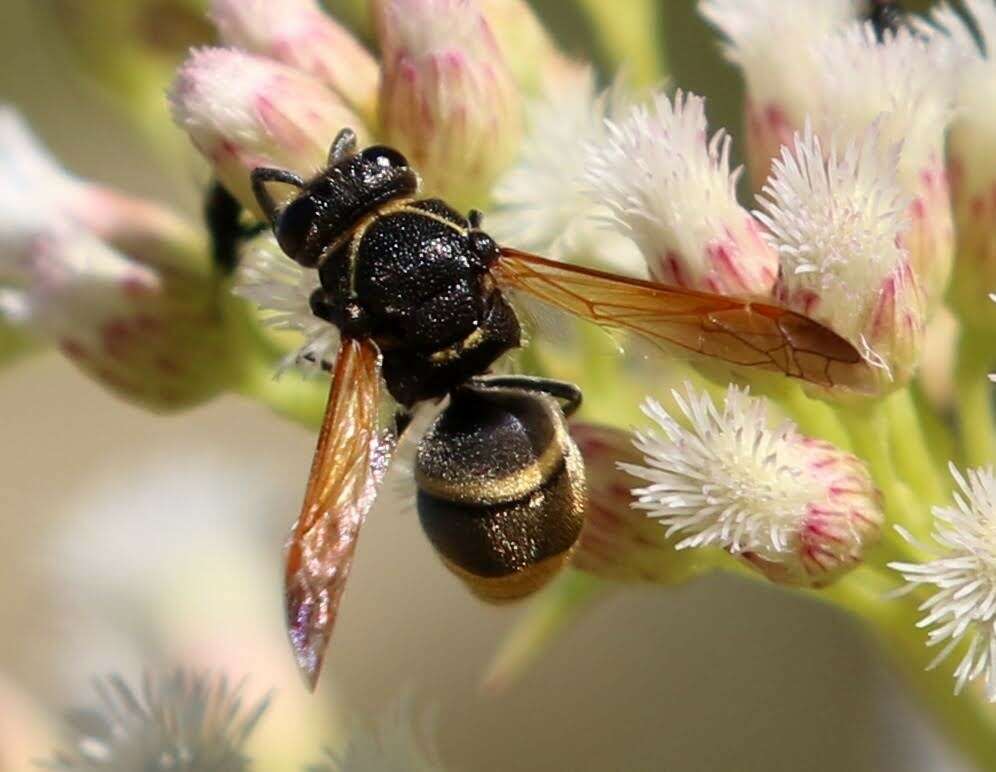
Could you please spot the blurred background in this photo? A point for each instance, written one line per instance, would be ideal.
(131, 540)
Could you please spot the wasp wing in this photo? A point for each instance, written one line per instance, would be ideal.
(350, 460)
(743, 333)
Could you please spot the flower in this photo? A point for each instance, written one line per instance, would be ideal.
(181, 721)
(300, 34)
(971, 151)
(121, 285)
(830, 69)
(900, 86)
(671, 190)
(963, 607)
(542, 203)
(834, 216)
(242, 111)
(395, 743)
(447, 99)
(773, 43)
(283, 289)
(618, 542)
(797, 509)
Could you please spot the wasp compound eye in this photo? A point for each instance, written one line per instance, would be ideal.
(385, 156)
(294, 226)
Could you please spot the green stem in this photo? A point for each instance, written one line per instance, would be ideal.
(554, 609)
(814, 417)
(628, 34)
(910, 451)
(967, 718)
(292, 395)
(975, 400)
(869, 432)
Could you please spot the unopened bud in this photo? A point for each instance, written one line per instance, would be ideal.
(447, 100)
(243, 112)
(300, 34)
(119, 284)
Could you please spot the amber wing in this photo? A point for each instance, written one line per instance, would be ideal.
(740, 332)
(349, 462)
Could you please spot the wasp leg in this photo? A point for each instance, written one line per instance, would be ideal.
(261, 176)
(568, 392)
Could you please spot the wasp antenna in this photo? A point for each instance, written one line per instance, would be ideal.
(343, 145)
(263, 175)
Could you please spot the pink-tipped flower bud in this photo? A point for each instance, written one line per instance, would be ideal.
(836, 219)
(119, 284)
(447, 99)
(799, 510)
(300, 34)
(670, 188)
(243, 111)
(773, 43)
(619, 542)
(900, 85)
(972, 153)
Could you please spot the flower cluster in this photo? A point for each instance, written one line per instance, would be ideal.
(870, 155)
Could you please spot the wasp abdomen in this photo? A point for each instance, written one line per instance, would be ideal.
(501, 490)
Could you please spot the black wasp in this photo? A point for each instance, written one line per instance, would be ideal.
(419, 295)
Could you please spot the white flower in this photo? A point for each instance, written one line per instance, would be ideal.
(540, 204)
(799, 510)
(901, 86)
(971, 74)
(774, 44)
(282, 290)
(964, 603)
(181, 722)
(119, 284)
(395, 743)
(834, 216)
(670, 188)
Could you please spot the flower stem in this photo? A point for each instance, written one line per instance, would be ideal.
(869, 432)
(554, 609)
(910, 451)
(629, 36)
(975, 400)
(966, 718)
(292, 395)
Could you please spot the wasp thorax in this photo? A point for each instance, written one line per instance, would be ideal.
(501, 489)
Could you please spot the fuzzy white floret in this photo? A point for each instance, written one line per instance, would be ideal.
(773, 42)
(668, 186)
(281, 289)
(729, 480)
(964, 575)
(834, 215)
(541, 204)
(898, 83)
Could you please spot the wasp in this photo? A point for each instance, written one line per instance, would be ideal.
(421, 297)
